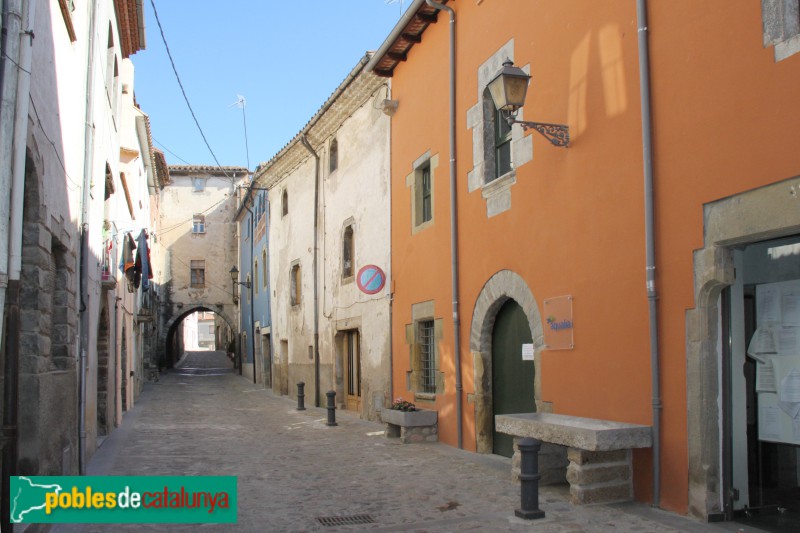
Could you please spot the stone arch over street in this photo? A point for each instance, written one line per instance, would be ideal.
(167, 343)
(503, 286)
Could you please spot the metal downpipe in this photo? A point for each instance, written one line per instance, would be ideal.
(252, 285)
(305, 142)
(83, 296)
(652, 295)
(454, 220)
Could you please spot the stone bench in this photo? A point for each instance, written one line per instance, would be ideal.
(411, 426)
(599, 451)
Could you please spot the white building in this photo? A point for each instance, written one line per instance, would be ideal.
(329, 217)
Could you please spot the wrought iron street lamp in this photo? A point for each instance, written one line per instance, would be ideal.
(508, 90)
(235, 281)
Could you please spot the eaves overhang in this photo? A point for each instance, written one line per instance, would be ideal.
(406, 33)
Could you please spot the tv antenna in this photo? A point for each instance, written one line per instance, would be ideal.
(242, 103)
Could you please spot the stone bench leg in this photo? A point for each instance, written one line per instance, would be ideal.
(599, 477)
(412, 434)
(392, 431)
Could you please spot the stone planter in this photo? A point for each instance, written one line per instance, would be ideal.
(411, 426)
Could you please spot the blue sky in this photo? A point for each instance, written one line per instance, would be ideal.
(285, 57)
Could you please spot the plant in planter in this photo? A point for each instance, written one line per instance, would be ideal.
(402, 405)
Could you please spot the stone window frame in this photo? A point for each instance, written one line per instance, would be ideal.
(198, 224)
(781, 20)
(423, 312)
(197, 273)
(295, 283)
(496, 190)
(349, 224)
(414, 181)
(198, 184)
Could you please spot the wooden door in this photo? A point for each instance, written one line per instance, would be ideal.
(512, 378)
(352, 370)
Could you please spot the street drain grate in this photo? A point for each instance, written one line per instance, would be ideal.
(345, 520)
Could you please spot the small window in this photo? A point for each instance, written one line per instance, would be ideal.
(199, 184)
(426, 194)
(199, 224)
(348, 252)
(285, 203)
(502, 145)
(255, 276)
(264, 268)
(198, 268)
(333, 157)
(295, 284)
(427, 354)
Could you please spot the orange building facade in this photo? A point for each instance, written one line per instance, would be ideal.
(564, 228)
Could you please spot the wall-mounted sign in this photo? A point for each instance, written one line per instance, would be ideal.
(558, 325)
(527, 352)
(370, 279)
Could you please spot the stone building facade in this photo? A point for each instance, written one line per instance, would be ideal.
(198, 235)
(78, 140)
(328, 218)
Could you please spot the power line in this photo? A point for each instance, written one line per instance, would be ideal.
(170, 151)
(183, 91)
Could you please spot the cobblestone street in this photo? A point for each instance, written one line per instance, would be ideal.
(292, 469)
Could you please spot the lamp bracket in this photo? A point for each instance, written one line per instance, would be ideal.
(557, 134)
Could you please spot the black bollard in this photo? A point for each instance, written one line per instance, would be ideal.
(301, 397)
(529, 479)
(331, 408)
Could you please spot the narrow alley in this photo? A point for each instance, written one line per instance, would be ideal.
(293, 470)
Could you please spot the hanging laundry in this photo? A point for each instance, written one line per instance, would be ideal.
(127, 262)
(142, 265)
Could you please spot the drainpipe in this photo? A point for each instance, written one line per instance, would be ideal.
(454, 216)
(650, 273)
(12, 28)
(88, 143)
(18, 94)
(305, 142)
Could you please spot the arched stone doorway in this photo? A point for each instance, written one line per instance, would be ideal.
(499, 289)
(170, 345)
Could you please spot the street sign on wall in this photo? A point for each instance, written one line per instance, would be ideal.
(370, 279)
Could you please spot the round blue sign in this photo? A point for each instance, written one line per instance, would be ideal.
(370, 279)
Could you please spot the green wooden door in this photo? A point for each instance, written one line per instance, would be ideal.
(512, 378)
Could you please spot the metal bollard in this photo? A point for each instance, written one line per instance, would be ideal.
(331, 408)
(529, 479)
(301, 397)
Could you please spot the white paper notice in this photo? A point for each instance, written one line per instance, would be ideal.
(527, 352)
(768, 303)
(765, 377)
(791, 409)
(770, 423)
(787, 341)
(789, 390)
(764, 342)
(790, 308)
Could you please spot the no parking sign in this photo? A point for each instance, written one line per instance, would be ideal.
(370, 279)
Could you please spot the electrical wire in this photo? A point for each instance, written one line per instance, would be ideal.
(170, 151)
(55, 150)
(183, 91)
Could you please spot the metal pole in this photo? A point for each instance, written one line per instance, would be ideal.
(529, 479)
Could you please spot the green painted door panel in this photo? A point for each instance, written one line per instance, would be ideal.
(512, 378)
